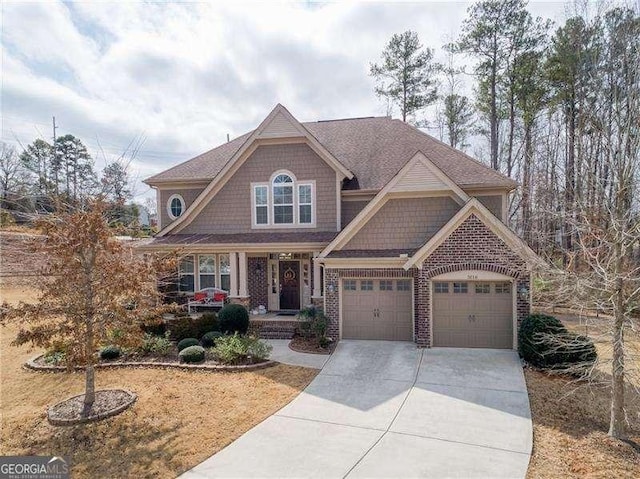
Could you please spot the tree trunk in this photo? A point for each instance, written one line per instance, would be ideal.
(617, 424)
(570, 181)
(526, 184)
(89, 390)
(493, 120)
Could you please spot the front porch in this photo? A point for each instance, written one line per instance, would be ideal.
(264, 282)
(261, 281)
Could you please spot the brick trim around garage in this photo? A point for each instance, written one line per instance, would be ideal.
(472, 246)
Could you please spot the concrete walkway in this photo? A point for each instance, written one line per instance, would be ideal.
(387, 409)
(283, 354)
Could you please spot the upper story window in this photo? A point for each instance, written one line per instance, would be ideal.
(175, 206)
(283, 202)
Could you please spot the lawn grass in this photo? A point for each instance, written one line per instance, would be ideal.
(571, 420)
(180, 418)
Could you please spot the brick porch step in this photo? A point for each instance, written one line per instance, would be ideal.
(274, 328)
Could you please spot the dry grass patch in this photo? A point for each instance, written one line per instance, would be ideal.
(571, 420)
(180, 418)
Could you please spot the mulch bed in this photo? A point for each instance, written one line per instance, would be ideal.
(310, 345)
(39, 364)
(107, 403)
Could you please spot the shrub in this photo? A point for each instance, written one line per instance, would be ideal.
(54, 357)
(192, 354)
(110, 352)
(209, 339)
(324, 342)
(187, 342)
(234, 318)
(544, 342)
(152, 344)
(157, 327)
(238, 349)
(182, 327)
(206, 323)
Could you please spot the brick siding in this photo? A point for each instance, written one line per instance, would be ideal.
(257, 287)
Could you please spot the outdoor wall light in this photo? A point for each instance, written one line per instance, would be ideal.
(331, 288)
(523, 292)
(258, 268)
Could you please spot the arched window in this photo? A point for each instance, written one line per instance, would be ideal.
(175, 206)
(284, 201)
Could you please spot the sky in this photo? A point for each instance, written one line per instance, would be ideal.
(176, 78)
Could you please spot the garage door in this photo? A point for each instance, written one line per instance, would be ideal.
(472, 314)
(377, 309)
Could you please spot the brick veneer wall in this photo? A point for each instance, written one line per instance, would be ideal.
(472, 246)
(258, 288)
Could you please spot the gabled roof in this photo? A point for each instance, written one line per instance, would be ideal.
(473, 207)
(373, 149)
(279, 124)
(430, 177)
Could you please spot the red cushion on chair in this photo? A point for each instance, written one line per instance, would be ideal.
(219, 297)
(200, 296)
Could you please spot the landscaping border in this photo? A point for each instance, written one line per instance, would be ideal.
(329, 353)
(31, 364)
(133, 397)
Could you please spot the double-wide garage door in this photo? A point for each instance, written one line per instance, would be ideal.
(377, 309)
(472, 314)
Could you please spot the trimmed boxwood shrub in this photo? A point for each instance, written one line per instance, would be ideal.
(234, 318)
(110, 352)
(192, 354)
(210, 338)
(187, 342)
(544, 342)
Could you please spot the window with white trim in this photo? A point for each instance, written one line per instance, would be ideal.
(282, 199)
(225, 272)
(440, 287)
(283, 202)
(305, 204)
(175, 206)
(186, 275)
(261, 202)
(207, 270)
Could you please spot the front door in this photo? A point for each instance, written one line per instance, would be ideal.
(289, 285)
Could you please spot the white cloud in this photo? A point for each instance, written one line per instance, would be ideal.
(186, 74)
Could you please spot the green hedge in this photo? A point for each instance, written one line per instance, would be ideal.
(187, 342)
(238, 349)
(544, 342)
(234, 318)
(187, 327)
(210, 338)
(110, 352)
(192, 354)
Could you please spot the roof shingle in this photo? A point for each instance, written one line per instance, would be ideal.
(374, 149)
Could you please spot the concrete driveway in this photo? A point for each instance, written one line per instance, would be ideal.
(387, 409)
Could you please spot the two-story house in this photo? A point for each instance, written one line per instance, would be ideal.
(396, 235)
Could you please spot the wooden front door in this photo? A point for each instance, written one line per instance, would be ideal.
(289, 285)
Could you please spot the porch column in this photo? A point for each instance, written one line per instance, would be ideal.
(317, 286)
(233, 274)
(242, 265)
